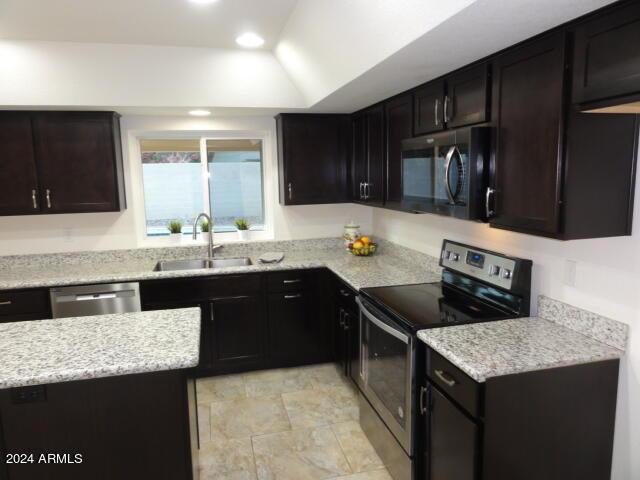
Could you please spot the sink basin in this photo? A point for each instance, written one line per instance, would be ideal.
(197, 263)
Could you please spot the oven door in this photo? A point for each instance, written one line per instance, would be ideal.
(387, 363)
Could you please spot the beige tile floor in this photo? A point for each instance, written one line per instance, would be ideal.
(284, 424)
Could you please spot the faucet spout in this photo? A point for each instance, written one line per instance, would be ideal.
(195, 232)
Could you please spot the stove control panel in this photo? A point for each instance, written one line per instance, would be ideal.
(493, 268)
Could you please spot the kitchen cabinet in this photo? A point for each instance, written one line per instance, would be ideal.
(61, 162)
(346, 329)
(606, 57)
(298, 328)
(548, 160)
(497, 429)
(459, 99)
(313, 155)
(368, 162)
(237, 330)
(18, 176)
(21, 305)
(398, 126)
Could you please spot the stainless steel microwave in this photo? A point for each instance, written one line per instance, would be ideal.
(447, 173)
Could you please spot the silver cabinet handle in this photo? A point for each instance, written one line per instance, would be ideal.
(445, 377)
(289, 297)
(446, 109)
(296, 280)
(48, 193)
(290, 191)
(341, 317)
(361, 190)
(423, 395)
(5, 302)
(367, 190)
(435, 111)
(34, 199)
(487, 201)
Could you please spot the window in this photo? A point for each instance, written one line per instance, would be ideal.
(179, 183)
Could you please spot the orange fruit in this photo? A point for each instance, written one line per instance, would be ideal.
(357, 245)
(365, 240)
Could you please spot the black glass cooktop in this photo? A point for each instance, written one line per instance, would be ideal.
(429, 305)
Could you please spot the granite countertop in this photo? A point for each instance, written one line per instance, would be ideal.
(493, 349)
(78, 348)
(391, 267)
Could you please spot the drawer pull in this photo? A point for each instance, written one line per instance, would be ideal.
(344, 293)
(297, 280)
(446, 378)
(289, 297)
(5, 302)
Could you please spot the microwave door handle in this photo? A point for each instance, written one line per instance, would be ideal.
(487, 200)
(381, 325)
(447, 173)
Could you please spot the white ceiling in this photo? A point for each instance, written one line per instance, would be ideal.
(148, 22)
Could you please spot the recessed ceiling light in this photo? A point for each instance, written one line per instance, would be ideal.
(200, 113)
(250, 40)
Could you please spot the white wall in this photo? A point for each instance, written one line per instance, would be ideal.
(607, 282)
(103, 75)
(102, 231)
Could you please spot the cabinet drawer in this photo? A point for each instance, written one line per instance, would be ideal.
(198, 289)
(454, 382)
(290, 280)
(31, 305)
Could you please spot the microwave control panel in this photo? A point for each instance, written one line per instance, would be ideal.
(488, 267)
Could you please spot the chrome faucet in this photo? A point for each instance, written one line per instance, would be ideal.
(212, 247)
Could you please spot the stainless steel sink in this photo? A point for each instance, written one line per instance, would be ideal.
(197, 263)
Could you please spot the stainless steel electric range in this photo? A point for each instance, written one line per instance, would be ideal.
(476, 286)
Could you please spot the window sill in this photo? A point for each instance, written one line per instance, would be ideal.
(188, 241)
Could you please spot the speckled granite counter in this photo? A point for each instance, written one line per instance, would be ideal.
(53, 351)
(393, 264)
(493, 349)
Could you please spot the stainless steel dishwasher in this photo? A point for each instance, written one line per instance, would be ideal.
(83, 300)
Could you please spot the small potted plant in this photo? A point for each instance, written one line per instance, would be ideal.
(175, 231)
(204, 226)
(242, 224)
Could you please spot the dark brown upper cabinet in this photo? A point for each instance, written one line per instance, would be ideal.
(457, 100)
(550, 178)
(18, 177)
(313, 155)
(398, 126)
(607, 59)
(429, 107)
(368, 157)
(60, 162)
(79, 161)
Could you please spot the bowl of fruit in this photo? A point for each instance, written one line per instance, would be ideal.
(363, 247)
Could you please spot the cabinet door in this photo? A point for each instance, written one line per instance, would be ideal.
(297, 333)
(428, 108)
(374, 191)
(452, 441)
(78, 162)
(341, 340)
(18, 179)
(398, 126)
(237, 331)
(313, 155)
(607, 56)
(468, 97)
(358, 157)
(528, 98)
(352, 327)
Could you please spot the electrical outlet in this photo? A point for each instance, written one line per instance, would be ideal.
(570, 272)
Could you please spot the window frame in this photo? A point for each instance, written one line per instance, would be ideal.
(203, 136)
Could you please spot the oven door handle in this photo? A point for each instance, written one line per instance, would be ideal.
(380, 324)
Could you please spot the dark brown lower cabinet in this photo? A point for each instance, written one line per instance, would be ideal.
(237, 330)
(132, 426)
(18, 305)
(454, 440)
(346, 329)
(555, 424)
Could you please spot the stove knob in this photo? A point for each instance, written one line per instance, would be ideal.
(506, 273)
(454, 257)
(494, 270)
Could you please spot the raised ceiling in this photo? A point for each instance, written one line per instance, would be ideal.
(180, 23)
